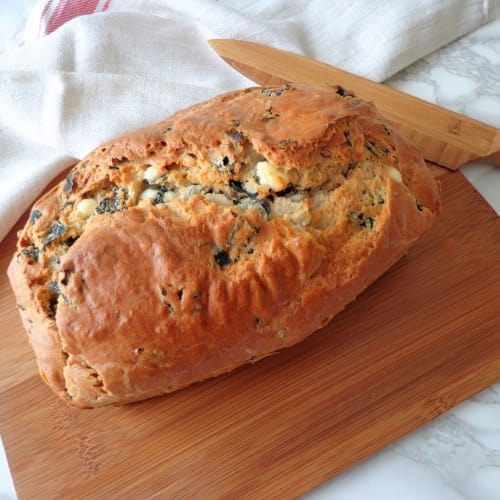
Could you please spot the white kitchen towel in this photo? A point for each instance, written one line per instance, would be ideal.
(80, 80)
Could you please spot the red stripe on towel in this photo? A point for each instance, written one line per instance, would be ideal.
(67, 10)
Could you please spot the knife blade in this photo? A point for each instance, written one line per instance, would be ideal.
(445, 137)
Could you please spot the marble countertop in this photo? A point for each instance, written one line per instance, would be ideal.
(457, 455)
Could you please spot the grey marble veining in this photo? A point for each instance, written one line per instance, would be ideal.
(463, 77)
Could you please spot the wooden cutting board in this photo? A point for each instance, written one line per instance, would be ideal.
(421, 339)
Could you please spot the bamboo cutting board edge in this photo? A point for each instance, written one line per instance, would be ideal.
(291, 467)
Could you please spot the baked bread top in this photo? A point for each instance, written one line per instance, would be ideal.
(230, 230)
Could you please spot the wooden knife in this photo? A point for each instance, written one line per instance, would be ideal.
(445, 137)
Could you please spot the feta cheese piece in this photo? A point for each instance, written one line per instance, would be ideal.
(219, 199)
(188, 159)
(168, 196)
(151, 174)
(394, 174)
(269, 175)
(149, 194)
(86, 207)
(300, 217)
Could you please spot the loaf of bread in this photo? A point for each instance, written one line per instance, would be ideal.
(217, 237)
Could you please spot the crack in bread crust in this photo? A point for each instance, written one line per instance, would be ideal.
(210, 239)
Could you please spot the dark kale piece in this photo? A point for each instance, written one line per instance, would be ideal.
(348, 138)
(265, 206)
(342, 92)
(114, 204)
(229, 238)
(238, 187)
(69, 241)
(235, 135)
(291, 189)
(369, 222)
(277, 92)
(32, 251)
(272, 92)
(269, 114)
(348, 168)
(54, 287)
(56, 230)
(118, 201)
(52, 306)
(222, 257)
(370, 147)
(113, 167)
(68, 395)
(104, 206)
(68, 183)
(158, 198)
(35, 215)
(164, 292)
(287, 142)
(224, 164)
(67, 273)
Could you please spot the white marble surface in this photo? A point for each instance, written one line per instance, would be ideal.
(456, 456)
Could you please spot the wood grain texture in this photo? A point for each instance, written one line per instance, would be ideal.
(446, 138)
(420, 340)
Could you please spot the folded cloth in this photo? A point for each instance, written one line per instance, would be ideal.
(91, 70)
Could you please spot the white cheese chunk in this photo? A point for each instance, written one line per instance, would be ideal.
(149, 194)
(86, 207)
(269, 175)
(219, 199)
(188, 159)
(394, 174)
(296, 212)
(151, 174)
(301, 217)
(168, 196)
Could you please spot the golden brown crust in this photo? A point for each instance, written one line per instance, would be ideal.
(231, 230)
